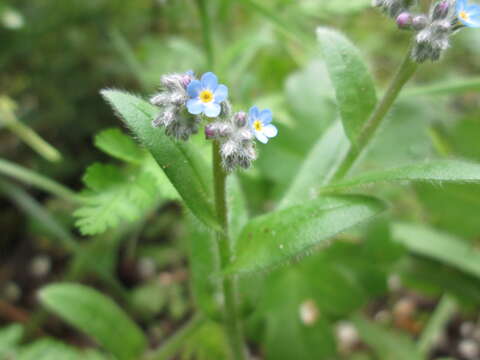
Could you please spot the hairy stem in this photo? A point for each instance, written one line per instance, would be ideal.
(405, 72)
(230, 316)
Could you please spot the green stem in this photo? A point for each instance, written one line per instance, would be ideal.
(171, 346)
(30, 177)
(26, 134)
(405, 72)
(231, 320)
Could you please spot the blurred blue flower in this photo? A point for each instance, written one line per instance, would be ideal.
(468, 14)
(206, 95)
(259, 122)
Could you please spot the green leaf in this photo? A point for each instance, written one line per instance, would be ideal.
(387, 344)
(115, 143)
(10, 336)
(50, 349)
(113, 196)
(96, 315)
(274, 238)
(439, 246)
(186, 170)
(317, 166)
(444, 88)
(354, 87)
(433, 171)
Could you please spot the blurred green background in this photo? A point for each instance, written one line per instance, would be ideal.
(57, 55)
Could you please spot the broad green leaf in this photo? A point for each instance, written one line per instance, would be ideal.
(237, 207)
(354, 87)
(115, 143)
(276, 237)
(387, 344)
(181, 163)
(433, 171)
(113, 196)
(439, 246)
(207, 341)
(10, 337)
(96, 315)
(317, 166)
(50, 349)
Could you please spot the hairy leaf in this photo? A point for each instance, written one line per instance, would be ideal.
(273, 238)
(115, 143)
(113, 196)
(181, 163)
(439, 246)
(317, 166)
(433, 171)
(96, 315)
(354, 87)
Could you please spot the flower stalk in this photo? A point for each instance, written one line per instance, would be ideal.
(405, 72)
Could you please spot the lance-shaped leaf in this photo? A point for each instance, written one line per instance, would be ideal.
(433, 171)
(96, 315)
(276, 237)
(354, 87)
(317, 167)
(439, 246)
(184, 167)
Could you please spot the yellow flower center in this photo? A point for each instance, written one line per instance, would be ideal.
(206, 96)
(257, 125)
(464, 15)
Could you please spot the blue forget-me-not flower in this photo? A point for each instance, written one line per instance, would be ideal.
(260, 124)
(468, 14)
(206, 95)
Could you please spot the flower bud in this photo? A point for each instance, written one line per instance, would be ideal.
(404, 20)
(419, 22)
(209, 132)
(440, 10)
(240, 119)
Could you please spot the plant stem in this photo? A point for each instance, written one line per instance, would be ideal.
(173, 344)
(230, 318)
(405, 72)
(30, 177)
(30, 137)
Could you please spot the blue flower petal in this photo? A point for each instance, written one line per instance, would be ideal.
(221, 94)
(266, 116)
(209, 81)
(212, 110)
(261, 137)
(195, 106)
(461, 5)
(253, 113)
(270, 131)
(194, 89)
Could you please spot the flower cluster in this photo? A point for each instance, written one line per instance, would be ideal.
(432, 30)
(185, 101)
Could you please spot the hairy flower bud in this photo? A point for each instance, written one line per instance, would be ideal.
(419, 22)
(404, 20)
(440, 10)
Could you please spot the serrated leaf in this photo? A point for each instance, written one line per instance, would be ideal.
(185, 168)
(96, 315)
(316, 168)
(354, 86)
(439, 246)
(433, 171)
(115, 143)
(276, 237)
(113, 196)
